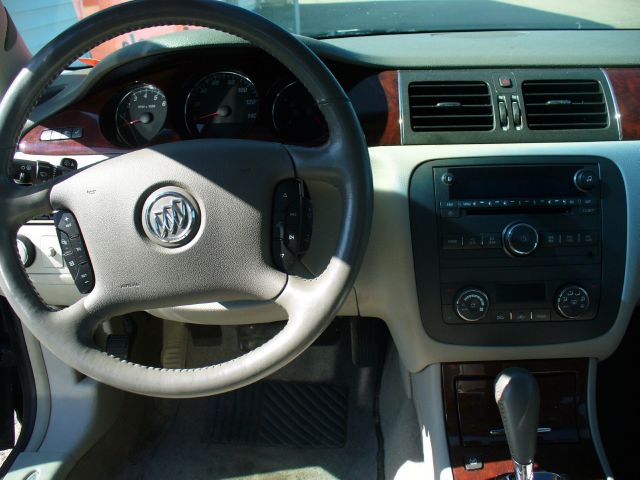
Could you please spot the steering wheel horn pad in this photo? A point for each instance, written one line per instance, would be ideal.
(225, 255)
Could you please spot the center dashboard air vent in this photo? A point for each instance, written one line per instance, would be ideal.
(564, 104)
(442, 106)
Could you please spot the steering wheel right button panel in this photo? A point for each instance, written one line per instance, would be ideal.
(292, 223)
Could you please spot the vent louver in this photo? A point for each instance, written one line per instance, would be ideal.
(564, 104)
(450, 106)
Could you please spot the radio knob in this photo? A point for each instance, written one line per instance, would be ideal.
(572, 301)
(472, 304)
(585, 179)
(520, 239)
(448, 178)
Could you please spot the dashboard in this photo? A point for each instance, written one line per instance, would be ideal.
(411, 116)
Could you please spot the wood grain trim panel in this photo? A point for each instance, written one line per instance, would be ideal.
(626, 90)
(92, 142)
(577, 459)
(375, 100)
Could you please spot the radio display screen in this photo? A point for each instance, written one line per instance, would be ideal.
(513, 182)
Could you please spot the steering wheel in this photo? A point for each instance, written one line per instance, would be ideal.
(229, 185)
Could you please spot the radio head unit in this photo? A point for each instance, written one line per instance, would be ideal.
(508, 242)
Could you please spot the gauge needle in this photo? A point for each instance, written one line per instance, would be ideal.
(144, 118)
(214, 114)
(223, 111)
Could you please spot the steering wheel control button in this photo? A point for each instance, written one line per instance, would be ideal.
(292, 223)
(26, 251)
(65, 245)
(78, 250)
(170, 217)
(585, 180)
(472, 304)
(84, 278)
(66, 222)
(520, 239)
(572, 301)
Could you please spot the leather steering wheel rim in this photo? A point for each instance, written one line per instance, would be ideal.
(310, 304)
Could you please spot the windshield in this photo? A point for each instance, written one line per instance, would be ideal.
(40, 20)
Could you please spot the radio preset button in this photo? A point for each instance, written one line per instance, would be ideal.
(491, 240)
(550, 239)
(520, 239)
(472, 241)
(570, 238)
(452, 242)
(472, 304)
(588, 238)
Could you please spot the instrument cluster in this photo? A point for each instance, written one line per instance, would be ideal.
(219, 104)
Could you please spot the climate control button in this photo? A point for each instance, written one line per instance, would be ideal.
(471, 304)
(572, 301)
(520, 239)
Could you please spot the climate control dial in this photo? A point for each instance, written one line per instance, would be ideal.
(572, 301)
(520, 239)
(472, 304)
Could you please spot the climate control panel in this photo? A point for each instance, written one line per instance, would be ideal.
(489, 302)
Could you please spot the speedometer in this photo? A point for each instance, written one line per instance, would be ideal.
(222, 104)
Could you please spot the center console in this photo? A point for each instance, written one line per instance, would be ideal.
(476, 437)
(518, 250)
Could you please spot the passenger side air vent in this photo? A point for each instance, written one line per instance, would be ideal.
(564, 104)
(450, 106)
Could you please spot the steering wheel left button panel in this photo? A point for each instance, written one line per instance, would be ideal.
(74, 251)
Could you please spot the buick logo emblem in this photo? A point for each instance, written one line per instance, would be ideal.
(170, 217)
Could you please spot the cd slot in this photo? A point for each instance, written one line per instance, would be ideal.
(517, 210)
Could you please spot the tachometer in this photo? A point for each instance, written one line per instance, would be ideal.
(140, 115)
(222, 104)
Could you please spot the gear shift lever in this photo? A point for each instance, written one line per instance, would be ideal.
(518, 399)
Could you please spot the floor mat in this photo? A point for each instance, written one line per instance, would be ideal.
(291, 414)
(312, 420)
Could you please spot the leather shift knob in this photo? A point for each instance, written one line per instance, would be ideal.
(518, 399)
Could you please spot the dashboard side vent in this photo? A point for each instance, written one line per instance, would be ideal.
(450, 106)
(564, 104)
